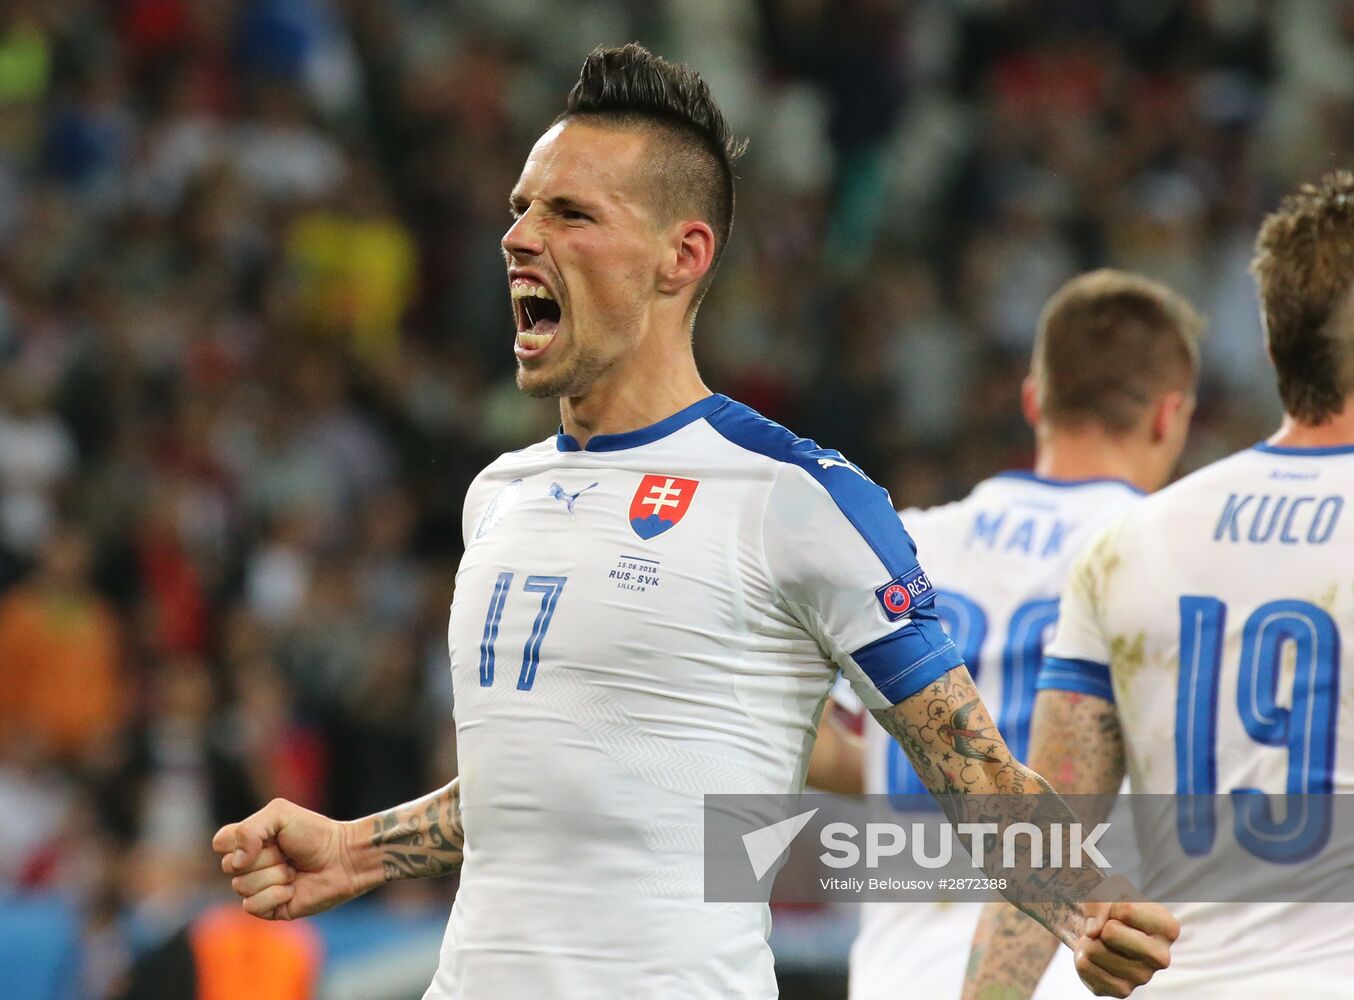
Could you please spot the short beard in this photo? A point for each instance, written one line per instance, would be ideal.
(575, 378)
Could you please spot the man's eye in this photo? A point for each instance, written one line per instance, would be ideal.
(572, 215)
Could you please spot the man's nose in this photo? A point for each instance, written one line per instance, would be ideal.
(523, 238)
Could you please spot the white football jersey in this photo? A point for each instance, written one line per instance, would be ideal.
(1219, 617)
(999, 559)
(636, 624)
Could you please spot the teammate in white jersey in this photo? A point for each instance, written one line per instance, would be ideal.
(1109, 396)
(1202, 647)
(651, 607)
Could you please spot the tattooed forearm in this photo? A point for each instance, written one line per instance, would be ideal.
(954, 745)
(1009, 956)
(421, 839)
(1075, 739)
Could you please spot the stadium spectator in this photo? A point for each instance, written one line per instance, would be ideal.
(62, 678)
(225, 954)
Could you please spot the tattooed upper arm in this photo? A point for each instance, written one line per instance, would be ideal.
(951, 739)
(1076, 740)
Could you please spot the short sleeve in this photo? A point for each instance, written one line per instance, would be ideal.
(1078, 657)
(847, 570)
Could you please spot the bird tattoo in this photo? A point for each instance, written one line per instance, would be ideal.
(957, 733)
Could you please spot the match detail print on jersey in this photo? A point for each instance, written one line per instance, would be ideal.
(659, 503)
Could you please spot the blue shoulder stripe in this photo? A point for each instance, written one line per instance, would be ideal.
(866, 505)
(1081, 676)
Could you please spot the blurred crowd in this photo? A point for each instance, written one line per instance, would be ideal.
(255, 339)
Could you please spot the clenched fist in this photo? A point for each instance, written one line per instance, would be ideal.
(289, 862)
(1126, 939)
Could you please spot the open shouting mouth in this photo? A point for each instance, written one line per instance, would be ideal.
(537, 314)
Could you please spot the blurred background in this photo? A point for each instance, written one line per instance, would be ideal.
(255, 342)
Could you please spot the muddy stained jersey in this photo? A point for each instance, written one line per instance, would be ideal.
(636, 624)
(1218, 616)
(999, 559)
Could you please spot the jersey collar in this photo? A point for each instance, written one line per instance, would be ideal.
(1314, 452)
(645, 435)
(1048, 481)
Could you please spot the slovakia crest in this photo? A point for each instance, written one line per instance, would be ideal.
(659, 503)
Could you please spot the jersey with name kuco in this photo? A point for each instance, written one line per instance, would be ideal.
(1218, 616)
(998, 559)
(636, 624)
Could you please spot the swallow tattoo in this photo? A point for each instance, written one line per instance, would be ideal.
(957, 733)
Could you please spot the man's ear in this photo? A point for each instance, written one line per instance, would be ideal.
(1029, 402)
(691, 252)
(1167, 411)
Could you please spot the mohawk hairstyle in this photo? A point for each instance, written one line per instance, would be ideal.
(630, 87)
(1304, 264)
